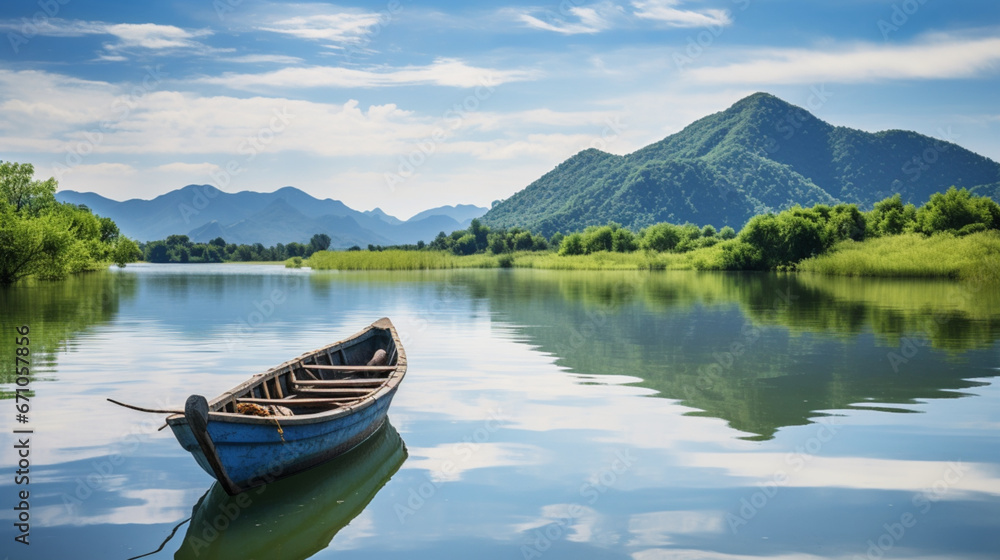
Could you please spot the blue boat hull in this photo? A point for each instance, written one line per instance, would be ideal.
(253, 455)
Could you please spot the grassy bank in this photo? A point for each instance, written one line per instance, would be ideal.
(709, 258)
(972, 257)
(701, 259)
(396, 260)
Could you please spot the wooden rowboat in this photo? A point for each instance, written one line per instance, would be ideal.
(318, 406)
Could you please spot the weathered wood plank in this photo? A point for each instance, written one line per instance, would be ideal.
(301, 402)
(332, 392)
(372, 369)
(373, 382)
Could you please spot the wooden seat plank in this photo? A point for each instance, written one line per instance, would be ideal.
(348, 383)
(300, 402)
(372, 369)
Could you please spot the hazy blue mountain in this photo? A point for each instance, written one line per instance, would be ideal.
(461, 213)
(378, 213)
(762, 154)
(287, 214)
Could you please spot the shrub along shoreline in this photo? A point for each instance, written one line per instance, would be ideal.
(954, 235)
(43, 238)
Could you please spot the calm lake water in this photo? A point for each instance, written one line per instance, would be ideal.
(545, 414)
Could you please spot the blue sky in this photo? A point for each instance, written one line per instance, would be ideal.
(407, 105)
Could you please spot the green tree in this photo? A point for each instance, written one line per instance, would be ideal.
(319, 242)
(845, 222)
(623, 241)
(601, 238)
(572, 244)
(19, 190)
(42, 237)
(465, 245)
(178, 241)
(480, 233)
(777, 241)
(957, 211)
(125, 251)
(523, 241)
(213, 254)
(660, 237)
(157, 252)
(727, 233)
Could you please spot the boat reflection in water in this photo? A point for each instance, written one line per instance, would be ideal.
(296, 517)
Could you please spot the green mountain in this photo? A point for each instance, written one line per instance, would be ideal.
(760, 155)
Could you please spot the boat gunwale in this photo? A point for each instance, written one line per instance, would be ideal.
(346, 408)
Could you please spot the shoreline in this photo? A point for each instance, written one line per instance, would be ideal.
(974, 257)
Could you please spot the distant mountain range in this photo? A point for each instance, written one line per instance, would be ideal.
(203, 213)
(760, 155)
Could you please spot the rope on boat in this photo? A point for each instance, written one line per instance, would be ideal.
(141, 409)
(271, 412)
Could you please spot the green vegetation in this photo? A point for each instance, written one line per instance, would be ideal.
(953, 235)
(180, 249)
(972, 257)
(47, 239)
(761, 155)
(396, 259)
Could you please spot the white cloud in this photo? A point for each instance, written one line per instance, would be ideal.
(154, 36)
(442, 72)
(102, 169)
(146, 36)
(575, 19)
(928, 59)
(343, 27)
(668, 11)
(200, 169)
(264, 59)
